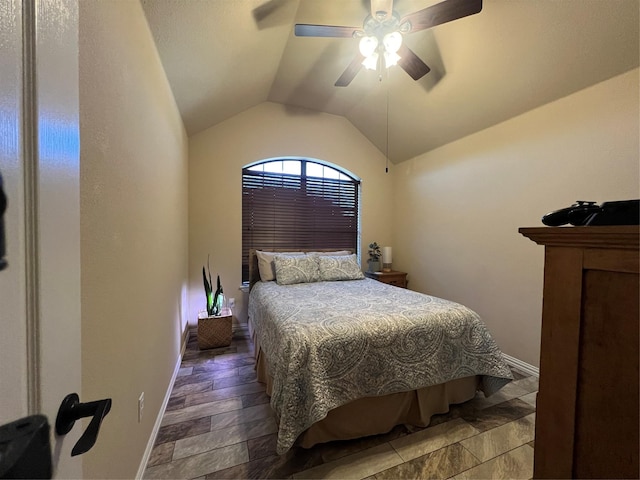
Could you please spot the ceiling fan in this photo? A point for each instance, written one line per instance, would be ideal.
(382, 32)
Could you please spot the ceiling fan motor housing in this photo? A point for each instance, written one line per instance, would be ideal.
(379, 28)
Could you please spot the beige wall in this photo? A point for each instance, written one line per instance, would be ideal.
(216, 158)
(133, 229)
(458, 208)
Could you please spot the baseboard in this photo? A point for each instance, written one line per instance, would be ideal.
(156, 426)
(522, 366)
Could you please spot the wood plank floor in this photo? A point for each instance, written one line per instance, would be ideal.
(218, 424)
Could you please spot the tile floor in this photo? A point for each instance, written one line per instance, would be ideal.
(219, 424)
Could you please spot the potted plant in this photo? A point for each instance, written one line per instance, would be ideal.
(374, 257)
(214, 330)
(214, 301)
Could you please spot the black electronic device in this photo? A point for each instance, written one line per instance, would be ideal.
(583, 213)
(577, 214)
(624, 212)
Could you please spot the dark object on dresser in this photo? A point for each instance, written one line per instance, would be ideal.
(587, 406)
(576, 214)
(624, 212)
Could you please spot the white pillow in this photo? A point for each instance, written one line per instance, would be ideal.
(266, 266)
(292, 269)
(337, 252)
(339, 267)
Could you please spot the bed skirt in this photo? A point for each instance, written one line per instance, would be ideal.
(376, 415)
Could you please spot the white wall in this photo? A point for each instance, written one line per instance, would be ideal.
(216, 158)
(133, 229)
(457, 209)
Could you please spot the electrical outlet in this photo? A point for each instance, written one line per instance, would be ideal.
(232, 303)
(140, 406)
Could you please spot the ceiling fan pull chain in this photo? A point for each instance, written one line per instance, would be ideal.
(386, 167)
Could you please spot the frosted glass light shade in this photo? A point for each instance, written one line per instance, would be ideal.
(371, 62)
(368, 45)
(391, 59)
(392, 42)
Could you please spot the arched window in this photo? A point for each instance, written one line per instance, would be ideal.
(300, 203)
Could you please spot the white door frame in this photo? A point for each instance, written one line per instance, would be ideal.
(43, 216)
(57, 160)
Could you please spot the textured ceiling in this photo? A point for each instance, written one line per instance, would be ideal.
(224, 56)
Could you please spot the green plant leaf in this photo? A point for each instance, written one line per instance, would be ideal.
(216, 302)
(207, 292)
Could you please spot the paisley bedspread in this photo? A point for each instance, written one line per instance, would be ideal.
(328, 343)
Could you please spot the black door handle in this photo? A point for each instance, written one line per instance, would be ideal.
(71, 410)
(3, 207)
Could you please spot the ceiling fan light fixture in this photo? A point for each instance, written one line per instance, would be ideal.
(371, 62)
(392, 42)
(391, 59)
(368, 45)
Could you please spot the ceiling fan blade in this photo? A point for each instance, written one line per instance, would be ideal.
(262, 12)
(411, 63)
(440, 13)
(351, 71)
(306, 30)
(381, 9)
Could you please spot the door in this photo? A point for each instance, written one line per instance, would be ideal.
(40, 350)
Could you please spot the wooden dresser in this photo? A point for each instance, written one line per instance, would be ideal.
(587, 408)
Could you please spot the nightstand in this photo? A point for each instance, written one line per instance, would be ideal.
(398, 279)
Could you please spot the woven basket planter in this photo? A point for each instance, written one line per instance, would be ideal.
(214, 331)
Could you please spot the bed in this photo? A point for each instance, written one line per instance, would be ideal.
(344, 356)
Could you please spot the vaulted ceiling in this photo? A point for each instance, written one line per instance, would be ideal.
(225, 56)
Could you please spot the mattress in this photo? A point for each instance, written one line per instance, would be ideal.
(327, 344)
